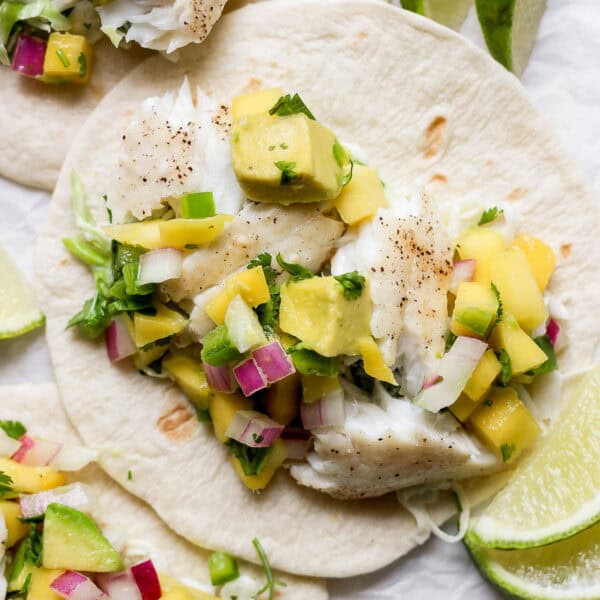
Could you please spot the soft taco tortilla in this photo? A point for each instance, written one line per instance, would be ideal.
(456, 124)
(133, 526)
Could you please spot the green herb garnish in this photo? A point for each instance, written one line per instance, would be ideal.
(82, 65)
(6, 483)
(500, 312)
(129, 475)
(450, 339)
(506, 373)
(298, 272)
(271, 583)
(353, 284)
(63, 58)
(551, 363)
(290, 105)
(268, 313)
(288, 175)
(13, 429)
(489, 215)
(507, 451)
(252, 460)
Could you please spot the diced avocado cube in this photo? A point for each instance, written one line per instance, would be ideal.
(276, 457)
(504, 424)
(255, 103)
(189, 234)
(309, 362)
(243, 326)
(316, 312)
(145, 234)
(282, 399)
(481, 244)
(73, 541)
(523, 352)
(222, 408)
(217, 347)
(316, 386)
(39, 585)
(362, 197)
(285, 159)
(475, 310)
(540, 256)
(189, 375)
(373, 362)
(149, 328)
(68, 59)
(222, 568)
(30, 480)
(16, 529)
(519, 292)
(199, 205)
(483, 376)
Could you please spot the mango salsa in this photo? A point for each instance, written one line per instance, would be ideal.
(275, 459)
(504, 424)
(282, 399)
(373, 362)
(475, 310)
(174, 590)
(189, 375)
(539, 255)
(254, 103)
(483, 376)
(145, 234)
(39, 586)
(188, 234)
(362, 197)
(463, 407)
(17, 530)
(222, 407)
(30, 480)
(149, 328)
(68, 59)
(481, 244)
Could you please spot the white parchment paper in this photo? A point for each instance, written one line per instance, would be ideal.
(563, 81)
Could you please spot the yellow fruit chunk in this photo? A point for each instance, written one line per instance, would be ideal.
(504, 423)
(255, 103)
(142, 358)
(519, 291)
(463, 407)
(475, 310)
(373, 362)
(187, 234)
(174, 590)
(222, 407)
(362, 197)
(251, 285)
(282, 399)
(540, 256)
(30, 480)
(149, 328)
(17, 530)
(482, 244)
(145, 234)
(275, 459)
(316, 386)
(189, 375)
(68, 59)
(39, 586)
(523, 352)
(483, 376)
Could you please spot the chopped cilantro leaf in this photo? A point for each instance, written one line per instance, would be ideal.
(551, 364)
(268, 312)
(489, 215)
(13, 429)
(288, 175)
(506, 373)
(110, 217)
(252, 460)
(63, 58)
(5, 484)
(298, 272)
(500, 307)
(33, 553)
(353, 284)
(450, 339)
(82, 65)
(129, 475)
(507, 451)
(290, 105)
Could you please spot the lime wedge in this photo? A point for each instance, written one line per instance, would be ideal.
(450, 13)
(556, 493)
(569, 569)
(510, 28)
(19, 310)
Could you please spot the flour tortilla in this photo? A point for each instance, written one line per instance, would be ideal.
(130, 523)
(428, 109)
(38, 121)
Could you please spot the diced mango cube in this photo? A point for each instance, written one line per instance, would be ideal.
(523, 352)
(189, 375)
(282, 399)
(483, 376)
(463, 407)
(145, 234)
(255, 103)
(481, 244)
(39, 586)
(68, 58)
(539, 255)
(17, 530)
(475, 310)
(362, 197)
(373, 362)
(316, 386)
(519, 292)
(275, 459)
(174, 590)
(504, 424)
(188, 234)
(149, 328)
(222, 407)
(143, 357)
(30, 480)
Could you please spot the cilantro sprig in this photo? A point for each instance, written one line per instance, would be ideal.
(489, 215)
(252, 460)
(298, 272)
(353, 284)
(500, 312)
(6, 484)
(268, 313)
(266, 565)
(13, 429)
(290, 105)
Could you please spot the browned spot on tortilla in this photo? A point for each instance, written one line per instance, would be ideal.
(177, 423)
(438, 178)
(565, 250)
(64, 262)
(516, 194)
(489, 163)
(433, 138)
(253, 84)
(363, 35)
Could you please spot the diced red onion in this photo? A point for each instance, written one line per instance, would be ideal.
(8, 446)
(119, 343)
(75, 586)
(75, 496)
(146, 577)
(29, 55)
(328, 411)
(121, 586)
(274, 361)
(250, 377)
(36, 452)
(220, 379)
(253, 429)
(463, 271)
(431, 380)
(297, 442)
(73, 458)
(553, 331)
(454, 370)
(159, 265)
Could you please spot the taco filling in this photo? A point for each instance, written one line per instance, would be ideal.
(319, 319)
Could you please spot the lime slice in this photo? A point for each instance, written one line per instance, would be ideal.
(556, 493)
(569, 569)
(450, 13)
(19, 310)
(510, 28)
